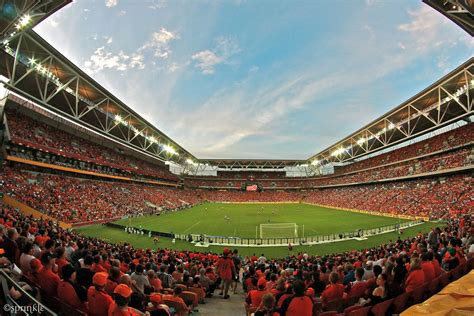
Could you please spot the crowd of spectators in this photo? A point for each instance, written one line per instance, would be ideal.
(76, 200)
(457, 158)
(359, 277)
(101, 278)
(450, 139)
(26, 131)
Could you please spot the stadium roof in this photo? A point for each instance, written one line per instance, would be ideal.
(37, 71)
(460, 12)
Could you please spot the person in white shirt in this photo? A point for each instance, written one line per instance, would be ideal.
(26, 257)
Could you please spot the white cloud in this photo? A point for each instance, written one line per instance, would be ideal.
(159, 43)
(252, 112)
(207, 59)
(102, 59)
(111, 3)
(122, 13)
(424, 28)
(174, 67)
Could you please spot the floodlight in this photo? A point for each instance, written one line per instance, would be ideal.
(315, 162)
(170, 149)
(24, 21)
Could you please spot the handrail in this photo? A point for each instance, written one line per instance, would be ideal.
(14, 308)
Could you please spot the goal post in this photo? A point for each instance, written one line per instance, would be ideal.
(279, 230)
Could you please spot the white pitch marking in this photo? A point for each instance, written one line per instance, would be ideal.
(192, 226)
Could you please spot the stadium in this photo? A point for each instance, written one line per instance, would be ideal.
(103, 213)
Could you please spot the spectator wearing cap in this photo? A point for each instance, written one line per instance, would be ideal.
(334, 290)
(119, 306)
(70, 292)
(254, 297)
(156, 307)
(298, 304)
(99, 300)
(46, 278)
(225, 270)
(177, 302)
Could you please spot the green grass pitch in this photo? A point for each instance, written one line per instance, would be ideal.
(210, 219)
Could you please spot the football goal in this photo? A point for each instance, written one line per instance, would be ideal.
(278, 230)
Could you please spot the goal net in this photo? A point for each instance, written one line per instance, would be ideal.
(278, 230)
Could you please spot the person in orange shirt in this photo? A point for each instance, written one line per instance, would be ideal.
(436, 265)
(46, 278)
(36, 266)
(60, 254)
(119, 307)
(254, 297)
(299, 304)
(69, 292)
(427, 267)
(177, 302)
(416, 278)
(333, 291)
(225, 269)
(99, 300)
(98, 267)
(157, 306)
(112, 280)
(154, 281)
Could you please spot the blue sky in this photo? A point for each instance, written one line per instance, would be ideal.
(259, 79)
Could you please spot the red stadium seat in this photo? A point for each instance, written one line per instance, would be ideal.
(381, 308)
(400, 302)
(360, 311)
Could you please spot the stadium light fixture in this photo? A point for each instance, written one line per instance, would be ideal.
(118, 118)
(191, 162)
(24, 21)
(170, 149)
(315, 162)
(361, 141)
(391, 126)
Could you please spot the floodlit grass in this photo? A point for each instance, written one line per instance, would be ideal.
(209, 219)
(243, 220)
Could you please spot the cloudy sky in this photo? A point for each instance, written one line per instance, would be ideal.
(259, 79)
